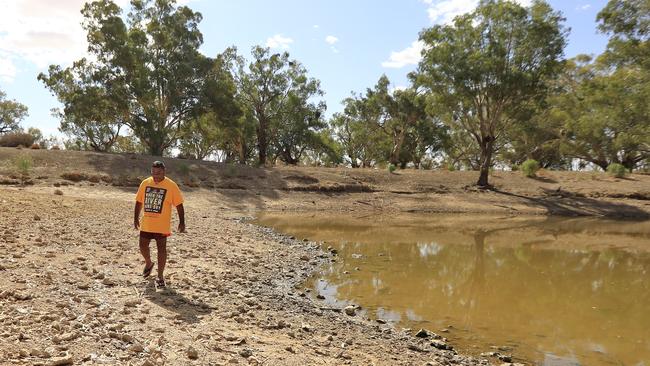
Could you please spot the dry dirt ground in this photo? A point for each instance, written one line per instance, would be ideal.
(70, 290)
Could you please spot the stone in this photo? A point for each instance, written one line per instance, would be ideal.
(132, 303)
(69, 336)
(61, 361)
(441, 345)
(350, 310)
(246, 352)
(128, 338)
(108, 282)
(505, 358)
(35, 352)
(422, 333)
(192, 353)
(136, 348)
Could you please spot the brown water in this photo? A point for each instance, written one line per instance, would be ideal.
(549, 291)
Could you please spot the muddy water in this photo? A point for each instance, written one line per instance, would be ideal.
(548, 291)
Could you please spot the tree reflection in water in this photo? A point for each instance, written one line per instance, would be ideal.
(572, 289)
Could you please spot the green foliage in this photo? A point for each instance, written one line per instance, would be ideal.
(278, 92)
(148, 74)
(128, 144)
(391, 168)
(617, 170)
(529, 168)
(15, 139)
(91, 117)
(11, 113)
(23, 164)
(489, 63)
(387, 126)
(603, 114)
(628, 24)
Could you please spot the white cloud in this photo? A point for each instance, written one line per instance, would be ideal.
(444, 11)
(41, 33)
(408, 56)
(585, 7)
(7, 70)
(278, 41)
(331, 40)
(316, 26)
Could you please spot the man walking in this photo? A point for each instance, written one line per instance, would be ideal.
(158, 195)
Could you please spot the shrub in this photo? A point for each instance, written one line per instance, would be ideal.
(391, 168)
(55, 147)
(231, 170)
(16, 139)
(35, 147)
(616, 170)
(427, 164)
(74, 176)
(24, 164)
(184, 169)
(529, 167)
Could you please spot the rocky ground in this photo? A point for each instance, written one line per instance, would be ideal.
(70, 291)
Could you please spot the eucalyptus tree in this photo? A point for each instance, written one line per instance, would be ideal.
(91, 117)
(11, 113)
(218, 125)
(627, 22)
(278, 92)
(148, 67)
(489, 63)
(362, 141)
(603, 114)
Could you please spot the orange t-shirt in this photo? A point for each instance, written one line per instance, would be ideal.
(158, 200)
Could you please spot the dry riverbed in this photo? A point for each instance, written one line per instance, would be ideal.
(70, 291)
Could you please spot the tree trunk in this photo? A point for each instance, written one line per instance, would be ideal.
(398, 141)
(262, 141)
(487, 147)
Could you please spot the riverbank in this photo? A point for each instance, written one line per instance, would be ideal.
(249, 189)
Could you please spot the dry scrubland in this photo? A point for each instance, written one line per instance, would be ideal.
(70, 291)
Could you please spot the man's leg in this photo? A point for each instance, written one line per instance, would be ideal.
(161, 243)
(144, 250)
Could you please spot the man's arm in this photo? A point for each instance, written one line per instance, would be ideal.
(136, 215)
(181, 218)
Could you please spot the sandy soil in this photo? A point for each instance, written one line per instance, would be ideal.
(70, 290)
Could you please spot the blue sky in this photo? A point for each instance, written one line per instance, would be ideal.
(347, 45)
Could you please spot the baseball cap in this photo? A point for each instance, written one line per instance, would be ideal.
(158, 164)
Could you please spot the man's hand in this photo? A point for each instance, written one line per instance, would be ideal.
(136, 215)
(181, 218)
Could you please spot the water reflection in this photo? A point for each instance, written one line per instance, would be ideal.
(551, 291)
